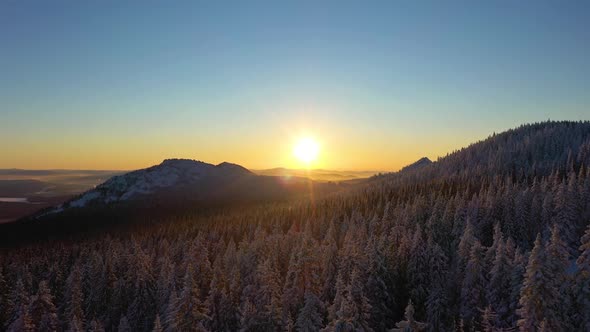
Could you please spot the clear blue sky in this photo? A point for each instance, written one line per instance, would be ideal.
(118, 84)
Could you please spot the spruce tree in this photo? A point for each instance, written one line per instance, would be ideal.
(21, 319)
(74, 297)
(376, 288)
(157, 325)
(353, 312)
(409, 324)
(499, 288)
(559, 302)
(437, 303)
(6, 305)
(489, 320)
(582, 284)
(43, 311)
(95, 326)
(310, 318)
(124, 325)
(218, 302)
(473, 288)
(535, 292)
(188, 312)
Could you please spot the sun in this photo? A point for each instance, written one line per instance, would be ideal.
(306, 150)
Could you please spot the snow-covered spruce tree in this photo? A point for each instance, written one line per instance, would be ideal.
(20, 318)
(329, 264)
(303, 274)
(409, 324)
(544, 327)
(143, 305)
(338, 298)
(189, 312)
(517, 273)
(310, 317)
(218, 301)
(354, 310)
(582, 285)
(234, 285)
(437, 303)
(490, 255)
(157, 325)
(249, 318)
(473, 288)
(42, 310)
(95, 326)
(76, 325)
(74, 298)
(124, 325)
(5, 301)
(266, 296)
(198, 257)
(165, 285)
(498, 288)
(566, 213)
(489, 320)
(557, 263)
(376, 288)
(95, 284)
(535, 292)
(418, 268)
(468, 239)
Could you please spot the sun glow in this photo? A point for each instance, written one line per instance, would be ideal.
(306, 150)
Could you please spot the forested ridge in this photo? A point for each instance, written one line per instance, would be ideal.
(492, 237)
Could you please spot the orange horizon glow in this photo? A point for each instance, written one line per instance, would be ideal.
(342, 147)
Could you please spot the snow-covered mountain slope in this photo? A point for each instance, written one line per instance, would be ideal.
(170, 174)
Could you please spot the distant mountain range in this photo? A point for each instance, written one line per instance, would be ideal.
(317, 174)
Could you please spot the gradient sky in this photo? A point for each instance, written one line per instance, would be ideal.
(122, 85)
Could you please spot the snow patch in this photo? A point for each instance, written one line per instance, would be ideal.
(82, 201)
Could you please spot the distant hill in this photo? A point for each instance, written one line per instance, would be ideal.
(317, 174)
(417, 165)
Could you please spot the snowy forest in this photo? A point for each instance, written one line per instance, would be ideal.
(492, 237)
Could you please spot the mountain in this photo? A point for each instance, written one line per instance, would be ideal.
(181, 182)
(424, 161)
(170, 175)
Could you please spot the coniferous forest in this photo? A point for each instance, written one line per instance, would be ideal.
(492, 237)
